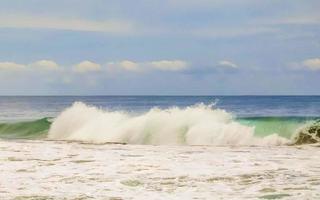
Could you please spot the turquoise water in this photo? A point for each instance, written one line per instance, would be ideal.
(25, 130)
(284, 126)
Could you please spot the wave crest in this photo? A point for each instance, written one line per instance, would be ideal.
(195, 125)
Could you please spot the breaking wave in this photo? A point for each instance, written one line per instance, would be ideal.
(195, 125)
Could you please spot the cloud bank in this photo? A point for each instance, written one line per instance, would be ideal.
(87, 66)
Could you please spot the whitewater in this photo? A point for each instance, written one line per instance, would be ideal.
(59, 170)
(195, 125)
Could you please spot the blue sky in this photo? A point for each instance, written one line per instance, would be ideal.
(159, 47)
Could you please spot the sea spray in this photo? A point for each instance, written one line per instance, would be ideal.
(195, 125)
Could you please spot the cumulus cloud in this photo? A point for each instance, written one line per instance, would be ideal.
(87, 66)
(38, 65)
(227, 64)
(41, 65)
(46, 65)
(11, 66)
(163, 65)
(126, 65)
(312, 64)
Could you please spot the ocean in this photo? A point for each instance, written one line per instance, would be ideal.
(163, 119)
(160, 147)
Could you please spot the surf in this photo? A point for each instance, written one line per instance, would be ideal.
(199, 124)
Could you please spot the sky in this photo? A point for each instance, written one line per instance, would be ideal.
(159, 47)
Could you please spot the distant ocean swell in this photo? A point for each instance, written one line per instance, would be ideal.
(195, 125)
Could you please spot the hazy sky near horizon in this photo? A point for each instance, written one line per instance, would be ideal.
(159, 47)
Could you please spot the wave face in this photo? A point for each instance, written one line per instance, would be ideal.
(284, 126)
(25, 130)
(196, 125)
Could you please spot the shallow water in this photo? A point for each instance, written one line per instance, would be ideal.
(69, 170)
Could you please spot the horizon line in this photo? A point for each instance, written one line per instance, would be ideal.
(164, 95)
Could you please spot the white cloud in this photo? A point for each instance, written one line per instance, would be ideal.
(169, 65)
(11, 66)
(163, 65)
(110, 26)
(46, 65)
(312, 64)
(126, 65)
(87, 66)
(228, 64)
(38, 65)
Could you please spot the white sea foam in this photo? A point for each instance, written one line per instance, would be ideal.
(138, 172)
(195, 125)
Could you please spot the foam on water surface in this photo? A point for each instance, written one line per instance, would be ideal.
(63, 170)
